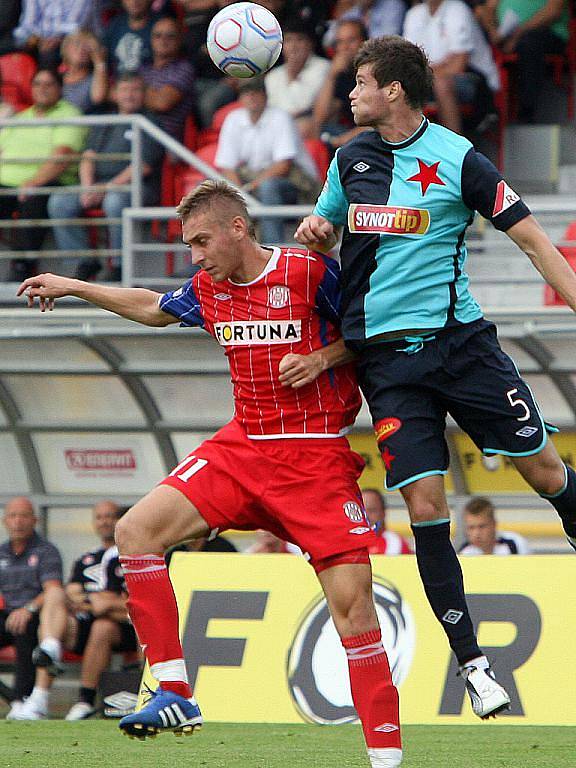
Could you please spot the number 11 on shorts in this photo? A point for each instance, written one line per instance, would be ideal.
(194, 465)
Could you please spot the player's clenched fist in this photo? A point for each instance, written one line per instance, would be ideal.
(297, 370)
(46, 288)
(316, 233)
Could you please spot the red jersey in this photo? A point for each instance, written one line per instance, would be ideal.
(292, 306)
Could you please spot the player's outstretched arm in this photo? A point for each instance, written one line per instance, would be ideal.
(531, 238)
(137, 304)
(298, 370)
(316, 233)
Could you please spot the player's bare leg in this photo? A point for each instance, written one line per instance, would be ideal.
(443, 582)
(554, 481)
(162, 518)
(348, 590)
(104, 635)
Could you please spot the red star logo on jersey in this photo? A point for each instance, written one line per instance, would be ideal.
(428, 174)
(387, 458)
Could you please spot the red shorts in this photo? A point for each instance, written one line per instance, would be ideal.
(302, 490)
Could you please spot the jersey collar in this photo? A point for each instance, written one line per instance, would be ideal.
(411, 139)
(270, 267)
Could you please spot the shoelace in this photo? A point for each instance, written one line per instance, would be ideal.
(415, 344)
(149, 693)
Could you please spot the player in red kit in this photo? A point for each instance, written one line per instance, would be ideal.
(282, 463)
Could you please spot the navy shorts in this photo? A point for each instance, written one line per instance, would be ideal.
(461, 371)
(128, 639)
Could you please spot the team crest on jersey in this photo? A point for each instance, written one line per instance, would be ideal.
(387, 219)
(505, 198)
(353, 512)
(242, 333)
(279, 296)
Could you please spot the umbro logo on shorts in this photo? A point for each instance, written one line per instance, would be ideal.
(452, 616)
(527, 431)
(361, 166)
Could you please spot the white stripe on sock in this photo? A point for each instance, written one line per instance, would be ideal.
(171, 671)
(386, 757)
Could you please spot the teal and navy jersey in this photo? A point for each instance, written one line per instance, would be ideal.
(405, 209)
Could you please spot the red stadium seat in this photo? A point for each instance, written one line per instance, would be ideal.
(320, 154)
(551, 298)
(17, 71)
(210, 135)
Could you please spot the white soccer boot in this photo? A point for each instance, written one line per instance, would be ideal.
(29, 709)
(487, 696)
(80, 711)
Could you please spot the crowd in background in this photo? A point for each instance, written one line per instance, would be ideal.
(149, 57)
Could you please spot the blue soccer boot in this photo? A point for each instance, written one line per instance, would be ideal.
(163, 711)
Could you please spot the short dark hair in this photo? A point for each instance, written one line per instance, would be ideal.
(480, 505)
(212, 193)
(53, 72)
(394, 58)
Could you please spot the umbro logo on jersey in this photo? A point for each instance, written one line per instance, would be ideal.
(452, 616)
(505, 198)
(360, 530)
(361, 167)
(387, 219)
(222, 296)
(263, 332)
(279, 296)
(527, 431)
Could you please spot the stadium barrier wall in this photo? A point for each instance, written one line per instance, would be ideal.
(260, 646)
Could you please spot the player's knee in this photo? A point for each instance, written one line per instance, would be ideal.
(102, 631)
(549, 480)
(423, 510)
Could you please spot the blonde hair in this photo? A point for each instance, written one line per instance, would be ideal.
(80, 34)
(218, 194)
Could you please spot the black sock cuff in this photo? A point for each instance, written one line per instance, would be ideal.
(429, 536)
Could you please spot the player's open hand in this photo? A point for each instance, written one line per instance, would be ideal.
(298, 370)
(46, 288)
(314, 231)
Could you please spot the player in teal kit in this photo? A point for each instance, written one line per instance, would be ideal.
(404, 194)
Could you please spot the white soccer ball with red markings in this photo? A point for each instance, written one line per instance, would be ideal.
(244, 40)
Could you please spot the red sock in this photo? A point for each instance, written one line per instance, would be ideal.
(374, 694)
(154, 613)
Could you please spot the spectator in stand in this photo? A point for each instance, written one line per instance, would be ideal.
(332, 117)
(213, 88)
(531, 29)
(260, 150)
(389, 542)
(85, 71)
(88, 617)
(128, 93)
(127, 37)
(44, 24)
(482, 536)
(53, 142)
(268, 544)
(204, 544)
(11, 10)
(30, 570)
(380, 17)
(169, 79)
(295, 84)
(463, 65)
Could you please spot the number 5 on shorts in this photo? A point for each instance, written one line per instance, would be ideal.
(510, 394)
(194, 465)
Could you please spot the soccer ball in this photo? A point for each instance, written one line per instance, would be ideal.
(244, 40)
